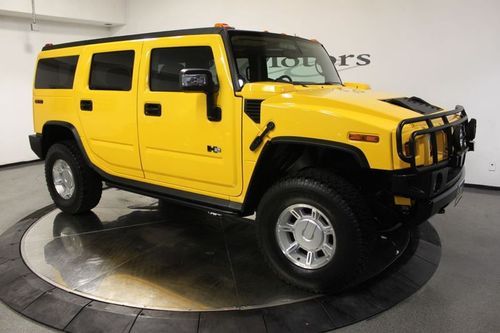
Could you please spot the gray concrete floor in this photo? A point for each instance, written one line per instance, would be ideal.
(463, 295)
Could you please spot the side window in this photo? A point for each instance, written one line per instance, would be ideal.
(56, 73)
(112, 71)
(166, 64)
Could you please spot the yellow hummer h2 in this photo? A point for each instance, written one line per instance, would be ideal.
(240, 122)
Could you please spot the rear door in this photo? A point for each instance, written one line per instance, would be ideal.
(180, 147)
(107, 106)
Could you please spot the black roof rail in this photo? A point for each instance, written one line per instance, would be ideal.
(182, 32)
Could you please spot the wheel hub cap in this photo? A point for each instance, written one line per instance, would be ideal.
(308, 234)
(305, 236)
(63, 179)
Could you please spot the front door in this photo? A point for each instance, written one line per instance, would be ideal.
(107, 95)
(180, 147)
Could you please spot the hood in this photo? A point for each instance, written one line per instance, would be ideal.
(370, 103)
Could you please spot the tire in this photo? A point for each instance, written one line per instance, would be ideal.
(86, 184)
(335, 202)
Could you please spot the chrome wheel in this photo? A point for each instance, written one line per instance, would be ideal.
(63, 179)
(306, 236)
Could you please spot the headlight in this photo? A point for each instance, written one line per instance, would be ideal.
(459, 138)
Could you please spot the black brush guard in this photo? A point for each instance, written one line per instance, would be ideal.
(456, 156)
(433, 187)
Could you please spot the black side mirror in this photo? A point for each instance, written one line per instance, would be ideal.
(200, 80)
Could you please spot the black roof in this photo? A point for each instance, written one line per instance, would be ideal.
(182, 32)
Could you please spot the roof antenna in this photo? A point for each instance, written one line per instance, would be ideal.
(34, 26)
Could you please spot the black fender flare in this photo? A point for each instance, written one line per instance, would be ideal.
(255, 187)
(355, 152)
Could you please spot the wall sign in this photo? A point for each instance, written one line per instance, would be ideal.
(348, 61)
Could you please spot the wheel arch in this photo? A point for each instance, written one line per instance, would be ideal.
(283, 156)
(55, 131)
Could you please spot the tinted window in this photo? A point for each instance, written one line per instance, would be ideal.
(112, 71)
(270, 57)
(166, 63)
(56, 73)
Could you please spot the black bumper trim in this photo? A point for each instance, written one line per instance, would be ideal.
(432, 191)
(36, 144)
(425, 185)
(426, 209)
(444, 199)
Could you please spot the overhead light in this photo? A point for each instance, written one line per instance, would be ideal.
(223, 25)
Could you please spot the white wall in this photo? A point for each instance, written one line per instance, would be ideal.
(19, 49)
(97, 12)
(444, 51)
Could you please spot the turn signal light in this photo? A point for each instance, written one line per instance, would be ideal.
(364, 137)
(407, 149)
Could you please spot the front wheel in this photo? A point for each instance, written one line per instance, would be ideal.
(315, 231)
(74, 187)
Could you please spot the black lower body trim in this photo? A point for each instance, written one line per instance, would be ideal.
(185, 198)
(36, 144)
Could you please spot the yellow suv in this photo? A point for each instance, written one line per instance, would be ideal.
(240, 122)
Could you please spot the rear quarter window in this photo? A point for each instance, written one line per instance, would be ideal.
(56, 73)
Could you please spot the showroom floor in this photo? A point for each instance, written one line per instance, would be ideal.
(463, 295)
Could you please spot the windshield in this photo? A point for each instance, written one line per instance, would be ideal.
(270, 57)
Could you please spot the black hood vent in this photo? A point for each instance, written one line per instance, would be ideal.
(252, 109)
(413, 103)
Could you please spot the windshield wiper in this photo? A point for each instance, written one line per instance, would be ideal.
(315, 83)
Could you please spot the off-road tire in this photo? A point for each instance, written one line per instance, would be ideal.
(351, 219)
(88, 184)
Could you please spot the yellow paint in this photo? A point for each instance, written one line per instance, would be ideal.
(357, 85)
(174, 146)
(171, 150)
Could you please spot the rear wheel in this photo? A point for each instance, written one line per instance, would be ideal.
(315, 231)
(74, 187)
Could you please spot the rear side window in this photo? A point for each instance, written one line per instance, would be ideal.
(112, 71)
(166, 64)
(56, 73)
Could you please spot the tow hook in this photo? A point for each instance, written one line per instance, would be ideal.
(441, 211)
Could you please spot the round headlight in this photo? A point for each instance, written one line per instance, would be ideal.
(459, 138)
(463, 137)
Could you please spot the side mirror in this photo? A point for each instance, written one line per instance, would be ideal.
(200, 80)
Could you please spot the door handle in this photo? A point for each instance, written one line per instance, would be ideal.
(152, 109)
(86, 105)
